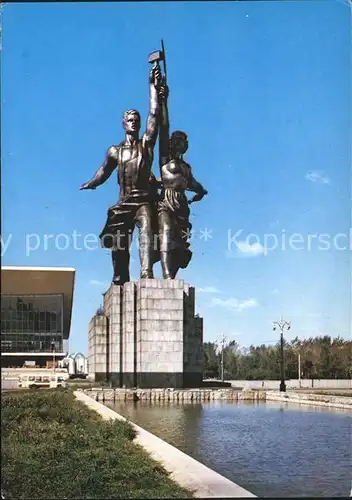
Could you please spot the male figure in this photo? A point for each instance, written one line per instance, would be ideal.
(173, 210)
(133, 159)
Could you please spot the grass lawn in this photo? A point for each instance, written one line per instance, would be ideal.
(54, 447)
(84, 384)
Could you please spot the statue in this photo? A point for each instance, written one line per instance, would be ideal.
(163, 221)
(133, 160)
(173, 210)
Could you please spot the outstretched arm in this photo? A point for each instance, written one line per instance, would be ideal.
(150, 135)
(104, 171)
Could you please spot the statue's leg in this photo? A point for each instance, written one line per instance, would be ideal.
(184, 227)
(166, 244)
(121, 258)
(144, 222)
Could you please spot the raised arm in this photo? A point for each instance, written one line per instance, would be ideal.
(104, 172)
(164, 132)
(150, 135)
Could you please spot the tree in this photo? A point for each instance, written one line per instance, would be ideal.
(321, 357)
(211, 360)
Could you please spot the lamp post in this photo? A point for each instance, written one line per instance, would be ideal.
(53, 351)
(222, 342)
(299, 369)
(282, 325)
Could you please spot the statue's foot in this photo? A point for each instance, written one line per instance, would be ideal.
(119, 281)
(147, 275)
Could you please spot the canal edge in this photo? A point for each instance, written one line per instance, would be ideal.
(308, 401)
(185, 470)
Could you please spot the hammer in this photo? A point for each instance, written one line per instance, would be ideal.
(157, 56)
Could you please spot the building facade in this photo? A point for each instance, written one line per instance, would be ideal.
(36, 305)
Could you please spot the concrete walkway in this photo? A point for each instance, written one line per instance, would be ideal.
(187, 472)
(328, 401)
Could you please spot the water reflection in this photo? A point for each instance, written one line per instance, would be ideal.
(271, 449)
(180, 425)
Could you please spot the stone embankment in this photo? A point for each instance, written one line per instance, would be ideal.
(342, 402)
(173, 395)
(198, 395)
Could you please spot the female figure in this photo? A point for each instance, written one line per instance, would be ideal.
(173, 209)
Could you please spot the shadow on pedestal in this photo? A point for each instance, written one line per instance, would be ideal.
(152, 380)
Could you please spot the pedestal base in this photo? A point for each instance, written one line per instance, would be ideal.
(153, 380)
(149, 336)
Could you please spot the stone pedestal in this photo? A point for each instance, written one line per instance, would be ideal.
(97, 346)
(149, 336)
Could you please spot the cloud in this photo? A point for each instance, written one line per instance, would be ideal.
(98, 283)
(235, 304)
(250, 249)
(246, 249)
(209, 289)
(318, 177)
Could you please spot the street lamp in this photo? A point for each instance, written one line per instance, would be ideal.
(282, 325)
(53, 351)
(222, 342)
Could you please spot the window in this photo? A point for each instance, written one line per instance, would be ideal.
(31, 322)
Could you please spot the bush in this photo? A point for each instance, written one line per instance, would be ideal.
(54, 447)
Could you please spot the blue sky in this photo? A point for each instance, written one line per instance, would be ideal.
(263, 91)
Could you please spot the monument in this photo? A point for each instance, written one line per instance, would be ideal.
(149, 335)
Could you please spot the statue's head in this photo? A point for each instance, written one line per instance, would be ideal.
(178, 142)
(131, 121)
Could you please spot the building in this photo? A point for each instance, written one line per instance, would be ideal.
(76, 365)
(36, 306)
